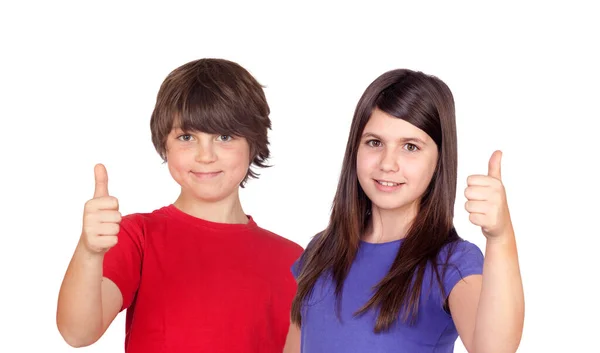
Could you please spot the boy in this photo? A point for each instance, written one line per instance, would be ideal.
(199, 274)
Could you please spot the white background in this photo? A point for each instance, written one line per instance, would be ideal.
(78, 83)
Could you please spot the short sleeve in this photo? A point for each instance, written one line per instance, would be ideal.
(297, 265)
(123, 262)
(466, 260)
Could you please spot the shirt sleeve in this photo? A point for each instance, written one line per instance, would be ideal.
(297, 265)
(465, 260)
(123, 262)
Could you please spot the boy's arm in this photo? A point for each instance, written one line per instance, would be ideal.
(292, 342)
(88, 303)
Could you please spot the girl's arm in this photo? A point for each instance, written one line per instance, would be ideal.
(292, 342)
(488, 310)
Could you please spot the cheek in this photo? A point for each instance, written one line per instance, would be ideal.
(365, 163)
(180, 161)
(236, 158)
(420, 173)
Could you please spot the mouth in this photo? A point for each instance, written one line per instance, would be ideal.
(206, 175)
(386, 185)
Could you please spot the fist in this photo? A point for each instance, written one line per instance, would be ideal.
(486, 200)
(101, 216)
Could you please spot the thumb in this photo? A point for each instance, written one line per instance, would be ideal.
(494, 167)
(101, 177)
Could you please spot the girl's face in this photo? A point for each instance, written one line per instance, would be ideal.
(395, 162)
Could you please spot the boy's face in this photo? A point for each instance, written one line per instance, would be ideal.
(208, 167)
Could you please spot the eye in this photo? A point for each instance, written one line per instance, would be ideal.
(224, 138)
(184, 137)
(411, 147)
(374, 143)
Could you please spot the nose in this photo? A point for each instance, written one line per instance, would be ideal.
(205, 153)
(388, 162)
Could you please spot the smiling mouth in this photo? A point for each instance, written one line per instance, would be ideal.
(387, 183)
(206, 175)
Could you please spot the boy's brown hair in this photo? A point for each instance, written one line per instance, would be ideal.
(214, 96)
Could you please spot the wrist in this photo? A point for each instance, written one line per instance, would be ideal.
(503, 238)
(84, 250)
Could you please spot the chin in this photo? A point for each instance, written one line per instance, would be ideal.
(209, 197)
(203, 194)
(388, 205)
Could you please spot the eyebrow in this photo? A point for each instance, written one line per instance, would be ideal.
(402, 139)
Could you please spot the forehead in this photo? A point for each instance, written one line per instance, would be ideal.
(391, 128)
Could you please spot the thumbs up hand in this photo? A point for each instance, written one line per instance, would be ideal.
(486, 200)
(101, 216)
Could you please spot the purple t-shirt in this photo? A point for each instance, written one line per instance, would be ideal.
(434, 331)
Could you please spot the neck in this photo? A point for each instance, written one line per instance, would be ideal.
(228, 210)
(389, 225)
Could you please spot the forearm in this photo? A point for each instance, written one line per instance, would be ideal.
(292, 341)
(500, 312)
(79, 311)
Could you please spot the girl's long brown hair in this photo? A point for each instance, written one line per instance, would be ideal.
(426, 102)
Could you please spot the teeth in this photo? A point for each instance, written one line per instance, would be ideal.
(386, 183)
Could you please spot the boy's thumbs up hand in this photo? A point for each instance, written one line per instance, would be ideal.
(101, 177)
(101, 216)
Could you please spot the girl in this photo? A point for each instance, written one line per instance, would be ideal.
(390, 273)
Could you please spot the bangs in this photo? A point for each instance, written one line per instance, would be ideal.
(213, 112)
(409, 101)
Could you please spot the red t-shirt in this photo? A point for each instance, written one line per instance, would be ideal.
(190, 285)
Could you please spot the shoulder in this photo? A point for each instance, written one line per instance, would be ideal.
(279, 243)
(460, 251)
(144, 217)
(458, 260)
(138, 222)
(299, 263)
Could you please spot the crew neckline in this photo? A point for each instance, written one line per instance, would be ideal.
(201, 222)
(391, 242)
